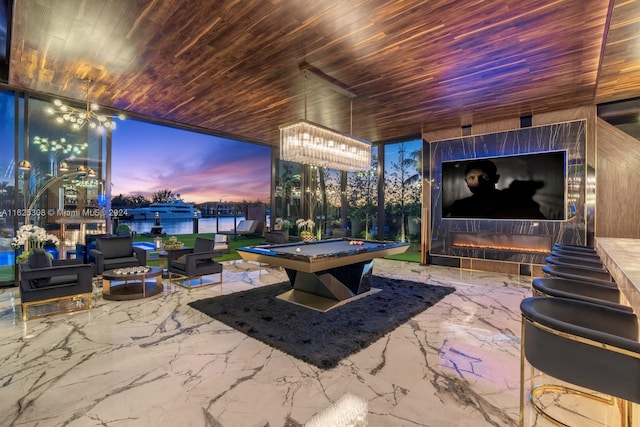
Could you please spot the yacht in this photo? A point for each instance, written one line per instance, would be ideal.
(175, 208)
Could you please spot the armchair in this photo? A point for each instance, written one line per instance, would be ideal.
(83, 251)
(276, 237)
(245, 227)
(117, 252)
(222, 243)
(189, 263)
(43, 281)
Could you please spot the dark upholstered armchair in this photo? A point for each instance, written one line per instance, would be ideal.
(189, 263)
(117, 252)
(276, 237)
(43, 281)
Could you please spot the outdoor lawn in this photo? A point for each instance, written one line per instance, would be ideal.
(6, 272)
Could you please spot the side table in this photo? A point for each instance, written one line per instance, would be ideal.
(135, 285)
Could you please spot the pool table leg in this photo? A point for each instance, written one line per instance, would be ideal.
(338, 283)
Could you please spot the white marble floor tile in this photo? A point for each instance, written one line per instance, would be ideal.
(158, 362)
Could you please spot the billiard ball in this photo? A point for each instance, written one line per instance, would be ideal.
(297, 249)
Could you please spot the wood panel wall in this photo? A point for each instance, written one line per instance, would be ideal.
(617, 183)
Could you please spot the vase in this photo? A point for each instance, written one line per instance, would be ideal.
(308, 238)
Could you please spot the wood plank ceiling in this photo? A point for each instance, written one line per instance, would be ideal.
(232, 67)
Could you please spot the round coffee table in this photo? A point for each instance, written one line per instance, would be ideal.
(134, 286)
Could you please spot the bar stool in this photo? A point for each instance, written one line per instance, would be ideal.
(608, 295)
(575, 256)
(571, 261)
(576, 273)
(570, 247)
(569, 252)
(583, 344)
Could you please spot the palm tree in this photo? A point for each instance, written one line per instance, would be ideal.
(161, 196)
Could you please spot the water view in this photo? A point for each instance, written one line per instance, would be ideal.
(179, 226)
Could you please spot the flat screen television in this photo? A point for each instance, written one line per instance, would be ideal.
(521, 186)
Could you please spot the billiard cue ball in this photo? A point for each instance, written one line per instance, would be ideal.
(297, 249)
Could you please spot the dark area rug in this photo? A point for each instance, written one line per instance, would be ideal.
(322, 339)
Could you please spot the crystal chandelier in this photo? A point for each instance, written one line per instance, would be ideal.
(78, 118)
(309, 143)
(312, 144)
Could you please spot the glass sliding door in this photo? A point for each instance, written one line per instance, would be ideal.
(287, 196)
(8, 191)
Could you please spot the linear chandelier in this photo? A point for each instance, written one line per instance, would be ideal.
(312, 144)
(78, 118)
(309, 143)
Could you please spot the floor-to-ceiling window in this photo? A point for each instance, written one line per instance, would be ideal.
(288, 208)
(8, 191)
(183, 169)
(65, 180)
(65, 185)
(304, 192)
(357, 203)
(362, 199)
(403, 191)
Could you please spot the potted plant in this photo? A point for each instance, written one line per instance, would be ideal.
(172, 244)
(123, 230)
(305, 229)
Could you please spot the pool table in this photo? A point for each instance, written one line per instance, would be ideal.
(325, 273)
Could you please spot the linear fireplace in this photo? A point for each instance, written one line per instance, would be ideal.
(501, 242)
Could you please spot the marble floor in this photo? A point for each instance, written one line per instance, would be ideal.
(158, 362)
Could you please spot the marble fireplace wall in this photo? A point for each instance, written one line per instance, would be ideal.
(520, 240)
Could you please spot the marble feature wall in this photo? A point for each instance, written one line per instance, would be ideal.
(570, 137)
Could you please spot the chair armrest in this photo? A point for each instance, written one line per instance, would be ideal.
(204, 255)
(67, 262)
(98, 256)
(193, 258)
(177, 253)
(141, 254)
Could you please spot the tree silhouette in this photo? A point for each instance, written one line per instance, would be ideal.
(362, 195)
(403, 185)
(287, 186)
(163, 196)
(129, 201)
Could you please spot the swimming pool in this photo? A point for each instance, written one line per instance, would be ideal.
(7, 258)
(148, 246)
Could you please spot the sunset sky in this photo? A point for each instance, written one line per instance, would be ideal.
(148, 158)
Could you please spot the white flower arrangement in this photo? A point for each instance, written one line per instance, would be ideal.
(305, 226)
(31, 236)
